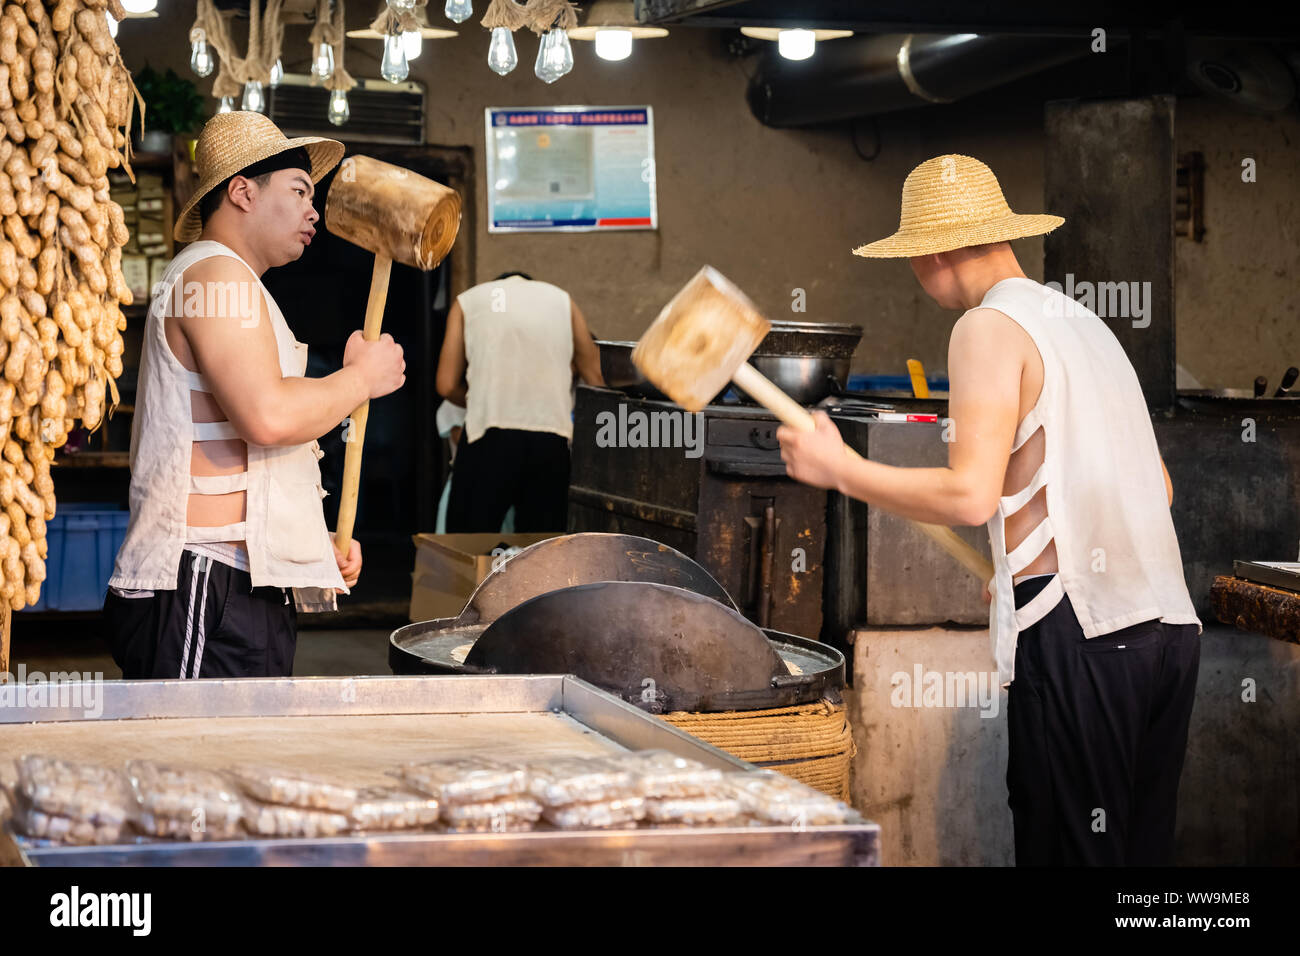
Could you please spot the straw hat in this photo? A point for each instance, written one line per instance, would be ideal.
(232, 141)
(950, 202)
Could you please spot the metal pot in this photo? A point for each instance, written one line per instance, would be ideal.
(619, 372)
(806, 360)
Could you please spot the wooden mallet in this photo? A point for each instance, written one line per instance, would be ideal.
(399, 216)
(702, 340)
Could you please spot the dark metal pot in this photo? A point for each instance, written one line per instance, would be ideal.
(618, 371)
(806, 360)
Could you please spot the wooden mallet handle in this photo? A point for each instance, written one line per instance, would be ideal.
(758, 387)
(352, 452)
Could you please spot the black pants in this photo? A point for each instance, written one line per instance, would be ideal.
(215, 624)
(507, 466)
(1098, 730)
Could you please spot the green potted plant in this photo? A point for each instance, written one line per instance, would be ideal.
(173, 107)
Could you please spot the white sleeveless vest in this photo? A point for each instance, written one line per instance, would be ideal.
(519, 345)
(1107, 507)
(288, 543)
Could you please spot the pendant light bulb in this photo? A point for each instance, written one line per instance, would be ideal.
(413, 43)
(613, 44)
(277, 72)
(339, 112)
(458, 11)
(394, 68)
(322, 68)
(401, 6)
(254, 100)
(227, 105)
(201, 60)
(554, 56)
(796, 44)
(502, 57)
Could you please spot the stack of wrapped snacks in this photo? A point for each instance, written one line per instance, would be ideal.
(70, 802)
(184, 803)
(291, 803)
(585, 792)
(393, 808)
(767, 797)
(476, 794)
(681, 791)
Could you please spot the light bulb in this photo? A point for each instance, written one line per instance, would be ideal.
(613, 44)
(139, 6)
(253, 100)
(501, 51)
(796, 44)
(393, 68)
(200, 58)
(401, 6)
(112, 24)
(339, 112)
(227, 105)
(277, 73)
(322, 68)
(412, 42)
(554, 56)
(458, 11)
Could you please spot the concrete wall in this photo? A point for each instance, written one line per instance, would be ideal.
(935, 779)
(780, 209)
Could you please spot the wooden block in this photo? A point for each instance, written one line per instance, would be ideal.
(1257, 607)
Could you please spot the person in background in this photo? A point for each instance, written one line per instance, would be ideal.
(511, 349)
(450, 419)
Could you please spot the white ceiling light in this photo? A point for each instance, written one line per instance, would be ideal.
(794, 44)
(139, 6)
(613, 26)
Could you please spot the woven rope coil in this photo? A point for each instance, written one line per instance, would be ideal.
(391, 21)
(505, 13)
(950, 202)
(812, 743)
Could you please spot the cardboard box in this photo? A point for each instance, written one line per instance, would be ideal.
(448, 567)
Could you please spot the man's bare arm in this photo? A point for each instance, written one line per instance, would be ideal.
(235, 350)
(452, 362)
(1169, 483)
(586, 354)
(984, 368)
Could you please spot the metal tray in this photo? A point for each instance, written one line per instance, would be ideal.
(364, 725)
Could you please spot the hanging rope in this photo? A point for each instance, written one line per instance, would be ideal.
(545, 15)
(232, 71)
(331, 29)
(272, 36)
(505, 13)
(390, 21)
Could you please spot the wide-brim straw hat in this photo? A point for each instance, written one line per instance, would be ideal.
(950, 202)
(233, 141)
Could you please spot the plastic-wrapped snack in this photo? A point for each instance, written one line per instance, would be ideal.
(560, 781)
(8, 783)
(81, 791)
(507, 815)
(40, 825)
(693, 811)
(184, 803)
(663, 775)
(294, 788)
(776, 798)
(275, 820)
(605, 813)
(465, 779)
(391, 808)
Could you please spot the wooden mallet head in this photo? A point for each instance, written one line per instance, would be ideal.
(393, 212)
(700, 340)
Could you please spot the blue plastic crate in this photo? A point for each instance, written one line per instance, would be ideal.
(82, 539)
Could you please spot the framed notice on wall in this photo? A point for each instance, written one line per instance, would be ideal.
(571, 169)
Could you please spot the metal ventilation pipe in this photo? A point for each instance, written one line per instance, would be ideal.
(865, 75)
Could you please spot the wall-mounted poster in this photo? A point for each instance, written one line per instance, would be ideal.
(571, 169)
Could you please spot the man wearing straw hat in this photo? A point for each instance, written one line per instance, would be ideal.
(1052, 446)
(226, 517)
